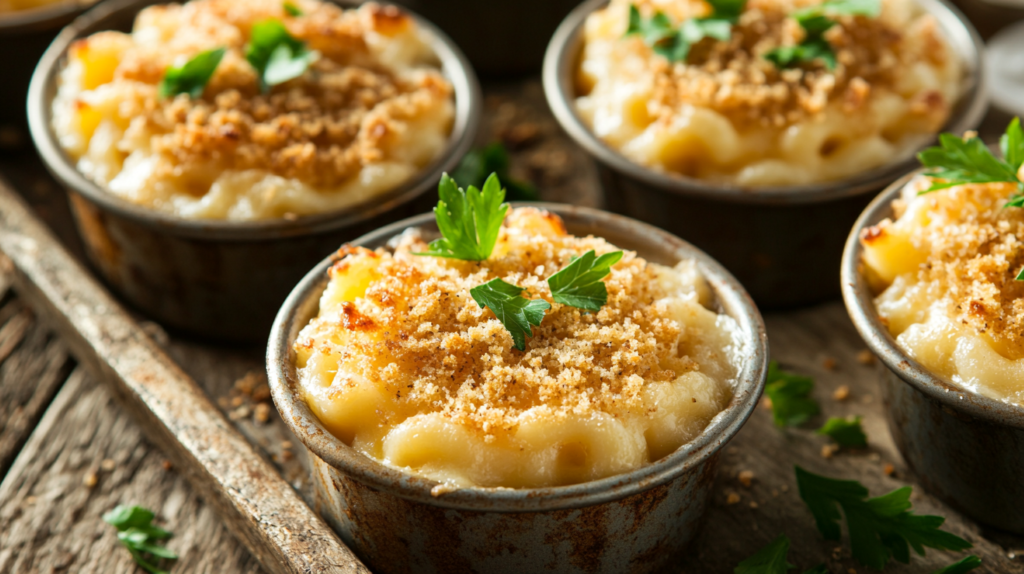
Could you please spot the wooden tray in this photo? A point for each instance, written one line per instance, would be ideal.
(199, 404)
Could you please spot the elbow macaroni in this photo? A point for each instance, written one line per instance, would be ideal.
(372, 111)
(728, 115)
(945, 270)
(404, 366)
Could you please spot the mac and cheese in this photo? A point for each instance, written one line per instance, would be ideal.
(367, 115)
(945, 272)
(728, 115)
(403, 365)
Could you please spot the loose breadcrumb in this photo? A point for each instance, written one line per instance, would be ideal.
(841, 393)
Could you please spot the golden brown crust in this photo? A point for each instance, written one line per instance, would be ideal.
(733, 77)
(320, 128)
(418, 330)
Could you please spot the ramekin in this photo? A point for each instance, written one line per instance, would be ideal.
(213, 278)
(965, 448)
(636, 522)
(783, 243)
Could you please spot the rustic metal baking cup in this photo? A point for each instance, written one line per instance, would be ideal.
(635, 522)
(215, 278)
(24, 36)
(965, 448)
(783, 243)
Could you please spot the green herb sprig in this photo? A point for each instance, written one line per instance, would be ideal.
(579, 285)
(846, 432)
(962, 566)
(516, 313)
(291, 9)
(192, 76)
(958, 161)
(880, 528)
(772, 560)
(136, 532)
(674, 43)
(479, 164)
(816, 20)
(276, 55)
(790, 395)
(469, 220)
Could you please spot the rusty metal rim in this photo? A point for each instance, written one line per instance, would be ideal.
(860, 305)
(732, 298)
(41, 18)
(559, 69)
(468, 108)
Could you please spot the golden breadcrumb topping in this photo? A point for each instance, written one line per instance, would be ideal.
(971, 249)
(320, 128)
(733, 77)
(418, 331)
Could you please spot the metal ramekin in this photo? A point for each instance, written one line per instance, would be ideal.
(24, 36)
(630, 523)
(782, 243)
(221, 279)
(965, 448)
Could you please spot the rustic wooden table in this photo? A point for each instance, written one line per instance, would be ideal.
(68, 453)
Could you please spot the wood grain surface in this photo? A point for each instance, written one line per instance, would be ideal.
(49, 516)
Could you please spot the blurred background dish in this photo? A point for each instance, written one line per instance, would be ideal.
(782, 242)
(26, 28)
(221, 279)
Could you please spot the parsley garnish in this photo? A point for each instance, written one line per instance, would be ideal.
(959, 161)
(1020, 276)
(772, 560)
(790, 397)
(469, 220)
(480, 163)
(192, 76)
(815, 21)
(962, 567)
(292, 9)
(880, 528)
(579, 284)
(516, 313)
(674, 44)
(846, 432)
(136, 532)
(276, 55)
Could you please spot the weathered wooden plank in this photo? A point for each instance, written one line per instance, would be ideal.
(257, 504)
(50, 516)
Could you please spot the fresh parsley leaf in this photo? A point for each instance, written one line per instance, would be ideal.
(469, 220)
(516, 313)
(292, 9)
(846, 432)
(1011, 144)
(192, 76)
(772, 560)
(137, 534)
(579, 284)
(959, 161)
(790, 394)
(480, 163)
(1020, 276)
(962, 567)
(769, 560)
(276, 55)
(880, 528)
(815, 20)
(674, 44)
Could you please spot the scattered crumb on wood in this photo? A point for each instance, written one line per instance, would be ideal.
(240, 413)
(753, 504)
(167, 465)
(108, 464)
(746, 477)
(732, 498)
(29, 500)
(828, 450)
(766, 403)
(286, 444)
(841, 393)
(889, 469)
(262, 413)
(90, 479)
(830, 364)
(866, 357)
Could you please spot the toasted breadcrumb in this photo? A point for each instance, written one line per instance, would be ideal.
(418, 331)
(733, 77)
